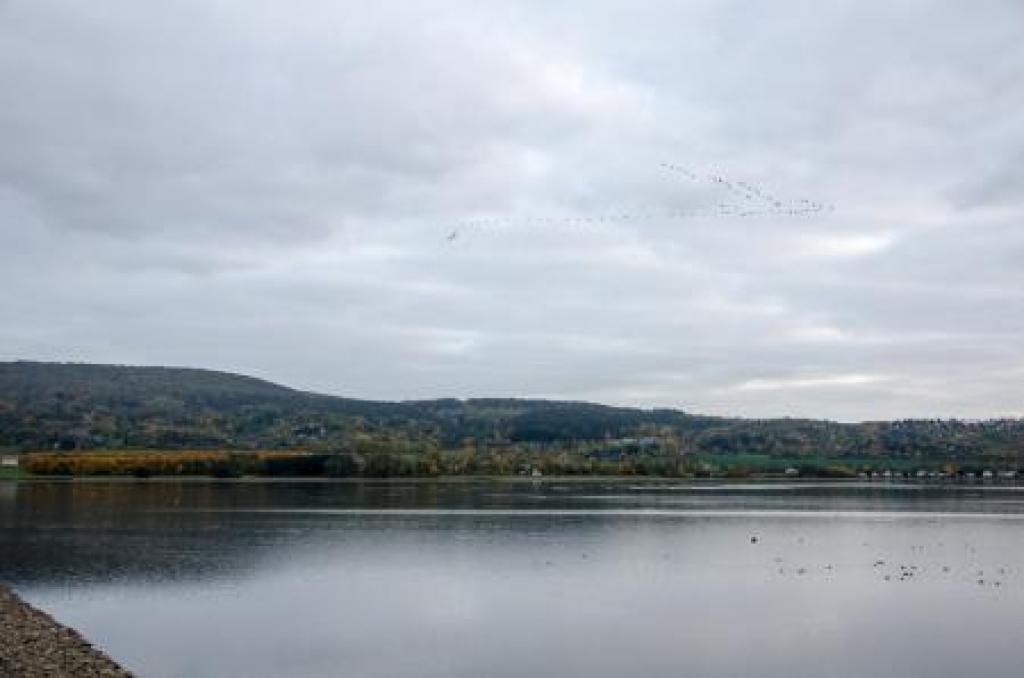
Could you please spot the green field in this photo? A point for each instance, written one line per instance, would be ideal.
(837, 466)
(8, 473)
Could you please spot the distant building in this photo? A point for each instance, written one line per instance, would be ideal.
(9, 461)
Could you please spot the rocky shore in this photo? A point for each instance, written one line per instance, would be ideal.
(33, 644)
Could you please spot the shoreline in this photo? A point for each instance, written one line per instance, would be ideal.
(32, 643)
(653, 481)
(517, 479)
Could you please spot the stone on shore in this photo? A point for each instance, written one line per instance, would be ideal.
(33, 644)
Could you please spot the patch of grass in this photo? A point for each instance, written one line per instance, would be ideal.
(13, 473)
(830, 466)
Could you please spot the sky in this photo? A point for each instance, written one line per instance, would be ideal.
(399, 200)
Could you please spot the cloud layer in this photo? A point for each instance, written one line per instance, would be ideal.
(271, 188)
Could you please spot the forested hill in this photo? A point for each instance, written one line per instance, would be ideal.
(69, 406)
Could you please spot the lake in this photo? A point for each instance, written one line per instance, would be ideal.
(553, 578)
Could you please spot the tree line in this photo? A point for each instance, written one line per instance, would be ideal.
(74, 407)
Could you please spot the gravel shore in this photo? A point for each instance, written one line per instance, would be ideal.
(33, 644)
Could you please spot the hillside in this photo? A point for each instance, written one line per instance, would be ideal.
(66, 406)
(47, 406)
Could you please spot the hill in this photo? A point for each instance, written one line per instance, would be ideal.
(69, 405)
(64, 406)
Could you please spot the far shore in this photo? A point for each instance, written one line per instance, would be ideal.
(647, 479)
(472, 464)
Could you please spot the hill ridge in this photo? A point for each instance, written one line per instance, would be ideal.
(45, 405)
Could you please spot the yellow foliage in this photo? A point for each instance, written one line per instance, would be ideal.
(155, 462)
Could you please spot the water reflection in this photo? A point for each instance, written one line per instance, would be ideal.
(513, 579)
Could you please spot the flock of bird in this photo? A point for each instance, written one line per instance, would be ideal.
(758, 202)
(751, 201)
(886, 570)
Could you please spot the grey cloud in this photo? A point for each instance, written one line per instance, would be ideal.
(267, 189)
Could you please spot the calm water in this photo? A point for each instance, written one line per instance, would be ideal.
(518, 579)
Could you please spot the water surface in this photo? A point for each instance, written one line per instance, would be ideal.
(526, 579)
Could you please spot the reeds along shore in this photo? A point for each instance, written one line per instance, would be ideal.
(33, 644)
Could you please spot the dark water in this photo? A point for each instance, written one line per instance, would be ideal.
(517, 579)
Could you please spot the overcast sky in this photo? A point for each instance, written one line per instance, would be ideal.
(281, 189)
